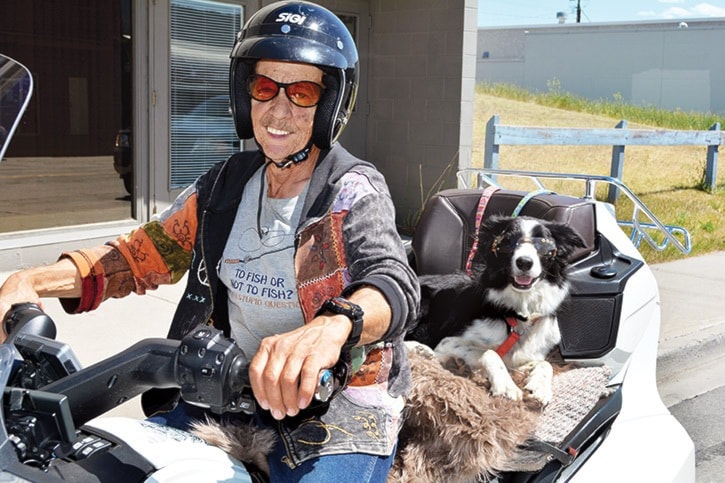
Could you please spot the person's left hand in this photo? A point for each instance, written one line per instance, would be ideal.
(284, 372)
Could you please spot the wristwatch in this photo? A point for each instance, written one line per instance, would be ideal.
(339, 305)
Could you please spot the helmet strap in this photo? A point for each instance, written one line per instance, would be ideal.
(292, 159)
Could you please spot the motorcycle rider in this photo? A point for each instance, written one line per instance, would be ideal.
(291, 249)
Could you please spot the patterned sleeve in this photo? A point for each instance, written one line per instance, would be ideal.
(373, 246)
(158, 252)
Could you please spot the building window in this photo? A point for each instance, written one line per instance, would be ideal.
(202, 129)
(59, 169)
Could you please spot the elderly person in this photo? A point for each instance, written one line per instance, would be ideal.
(291, 249)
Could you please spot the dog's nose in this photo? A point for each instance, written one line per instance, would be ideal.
(524, 263)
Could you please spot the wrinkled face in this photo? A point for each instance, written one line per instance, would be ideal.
(280, 127)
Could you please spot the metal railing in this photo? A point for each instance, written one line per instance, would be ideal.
(678, 236)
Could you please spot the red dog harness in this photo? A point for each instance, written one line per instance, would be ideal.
(513, 337)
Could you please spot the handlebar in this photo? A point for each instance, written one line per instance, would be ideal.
(27, 318)
(208, 368)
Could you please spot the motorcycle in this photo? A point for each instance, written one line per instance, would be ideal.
(52, 424)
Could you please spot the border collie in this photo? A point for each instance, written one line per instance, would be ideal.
(503, 315)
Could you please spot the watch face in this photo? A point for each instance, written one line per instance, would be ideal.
(342, 306)
(343, 303)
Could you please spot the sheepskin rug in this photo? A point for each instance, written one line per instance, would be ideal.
(454, 430)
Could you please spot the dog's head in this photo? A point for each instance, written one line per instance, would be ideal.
(523, 250)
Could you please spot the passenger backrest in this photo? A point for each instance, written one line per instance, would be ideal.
(446, 229)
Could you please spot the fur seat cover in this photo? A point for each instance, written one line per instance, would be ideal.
(456, 431)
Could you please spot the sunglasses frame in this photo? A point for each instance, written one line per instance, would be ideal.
(280, 86)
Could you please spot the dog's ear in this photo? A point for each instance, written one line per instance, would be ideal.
(491, 228)
(566, 238)
(488, 233)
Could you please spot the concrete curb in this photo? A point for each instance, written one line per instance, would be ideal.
(692, 303)
(691, 353)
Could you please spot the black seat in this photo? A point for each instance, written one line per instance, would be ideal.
(589, 321)
(445, 232)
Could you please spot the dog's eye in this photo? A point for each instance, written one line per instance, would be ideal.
(504, 245)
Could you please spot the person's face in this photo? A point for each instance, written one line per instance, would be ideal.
(280, 127)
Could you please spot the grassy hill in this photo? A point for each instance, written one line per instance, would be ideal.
(666, 178)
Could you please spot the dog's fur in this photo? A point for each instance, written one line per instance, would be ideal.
(464, 317)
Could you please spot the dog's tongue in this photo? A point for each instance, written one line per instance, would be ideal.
(523, 281)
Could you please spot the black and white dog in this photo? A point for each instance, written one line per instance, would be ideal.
(504, 315)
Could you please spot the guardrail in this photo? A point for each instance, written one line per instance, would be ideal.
(617, 137)
(643, 224)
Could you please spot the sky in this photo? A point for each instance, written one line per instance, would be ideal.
(498, 13)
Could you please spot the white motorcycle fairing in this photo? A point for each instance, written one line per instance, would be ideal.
(179, 456)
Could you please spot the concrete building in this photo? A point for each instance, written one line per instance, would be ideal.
(129, 77)
(672, 64)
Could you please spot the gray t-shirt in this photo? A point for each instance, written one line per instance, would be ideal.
(258, 266)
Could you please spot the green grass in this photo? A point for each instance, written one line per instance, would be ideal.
(669, 179)
(614, 108)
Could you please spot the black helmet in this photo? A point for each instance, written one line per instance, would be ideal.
(303, 32)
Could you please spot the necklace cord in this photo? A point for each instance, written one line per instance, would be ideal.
(261, 198)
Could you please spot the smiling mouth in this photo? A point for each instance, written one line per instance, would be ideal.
(523, 282)
(277, 132)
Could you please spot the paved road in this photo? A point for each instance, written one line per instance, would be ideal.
(703, 419)
(691, 363)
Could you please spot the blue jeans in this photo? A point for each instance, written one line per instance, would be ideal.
(341, 468)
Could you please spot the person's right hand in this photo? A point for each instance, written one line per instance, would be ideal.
(17, 289)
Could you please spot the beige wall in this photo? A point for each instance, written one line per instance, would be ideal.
(422, 74)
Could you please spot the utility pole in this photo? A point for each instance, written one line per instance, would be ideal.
(578, 10)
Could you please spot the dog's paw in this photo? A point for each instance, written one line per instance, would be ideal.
(539, 383)
(499, 377)
(420, 349)
(540, 393)
(509, 390)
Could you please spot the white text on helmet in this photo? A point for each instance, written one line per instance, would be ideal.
(291, 18)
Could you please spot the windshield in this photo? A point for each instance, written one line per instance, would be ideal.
(6, 364)
(16, 86)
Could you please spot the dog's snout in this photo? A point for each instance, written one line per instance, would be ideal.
(524, 263)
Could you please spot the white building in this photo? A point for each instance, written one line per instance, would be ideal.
(670, 64)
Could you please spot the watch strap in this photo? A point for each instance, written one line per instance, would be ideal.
(342, 306)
